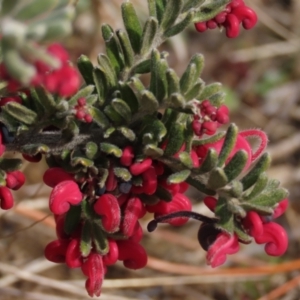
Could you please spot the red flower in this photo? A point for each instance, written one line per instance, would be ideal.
(56, 251)
(94, 269)
(63, 195)
(6, 198)
(107, 206)
(14, 180)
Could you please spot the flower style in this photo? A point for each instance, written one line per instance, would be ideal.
(235, 13)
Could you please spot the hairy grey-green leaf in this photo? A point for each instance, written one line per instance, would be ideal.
(149, 33)
(86, 69)
(126, 47)
(172, 11)
(132, 25)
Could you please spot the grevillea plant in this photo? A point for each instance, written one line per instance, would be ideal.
(118, 148)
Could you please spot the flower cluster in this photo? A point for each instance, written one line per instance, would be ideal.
(81, 111)
(64, 80)
(208, 118)
(235, 13)
(219, 243)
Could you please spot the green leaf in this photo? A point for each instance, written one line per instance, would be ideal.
(129, 96)
(217, 99)
(175, 139)
(142, 67)
(72, 219)
(113, 115)
(127, 133)
(82, 93)
(34, 149)
(108, 70)
(179, 27)
(195, 91)
(98, 117)
(152, 8)
(217, 179)
(34, 8)
(99, 239)
(149, 33)
(172, 11)
(132, 25)
(122, 108)
(200, 186)
(111, 149)
(178, 177)
(163, 194)
(10, 164)
(78, 160)
(188, 77)
(173, 82)
(122, 173)
(91, 150)
(240, 232)
(177, 101)
(261, 166)
(226, 219)
(46, 100)
(185, 159)
(259, 186)
(113, 49)
(153, 151)
(148, 102)
(126, 47)
(86, 239)
(86, 68)
(160, 9)
(20, 113)
(101, 84)
(236, 165)
(209, 162)
(228, 145)
(191, 4)
(210, 10)
(210, 90)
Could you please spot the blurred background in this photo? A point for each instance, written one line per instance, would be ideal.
(260, 71)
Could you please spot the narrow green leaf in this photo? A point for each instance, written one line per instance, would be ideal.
(177, 101)
(129, 96)
(178, 177)
(153, 151)
(200, 186)
(226, 219)
(86, 239)
(86, 69)
(148, 102)
(228, 145)
(217, 99)
(111, 149)
(210, 90)
(172, 11)
(187, 79)
(210, 10)
(122, 173)
(113, 49)
(149, 33)
(143, 67)
(176, 139)
(186, 159)
(113, 115)
(152, 8)
(261, 166)
(173, 82)
(46, 99)
(99, 239)
(240, 232)
(236, 165)
(72, 219)
(98, 117)
(259, 186)
(101, 84)
(122, 108)
(217, 179)
(195, 91)
(209, 162)
(127, 133)
(132, 25)
(160, 9)
(191, 4)
(91, 150)
(20, 113)
(107, 68)
(179, 27)
(126, 47)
